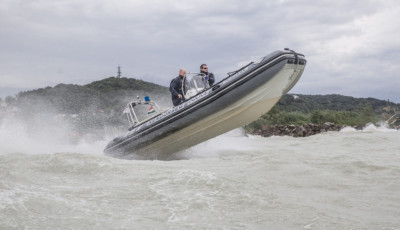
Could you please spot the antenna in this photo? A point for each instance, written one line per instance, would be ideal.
(119, 72)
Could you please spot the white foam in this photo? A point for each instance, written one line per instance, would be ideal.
(382, 128)
(348, 129)
(369, 128)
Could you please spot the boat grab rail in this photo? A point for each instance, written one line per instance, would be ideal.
(131, 114)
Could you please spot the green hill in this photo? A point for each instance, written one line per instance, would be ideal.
(106, 95)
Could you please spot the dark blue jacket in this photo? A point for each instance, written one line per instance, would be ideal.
(211, 78)
(176, 88)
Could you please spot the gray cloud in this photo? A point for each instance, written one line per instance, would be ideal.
(352, 47)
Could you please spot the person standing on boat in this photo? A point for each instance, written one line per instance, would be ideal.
(208, 76)
(176, 88)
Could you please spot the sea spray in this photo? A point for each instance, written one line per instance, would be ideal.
(44, 133)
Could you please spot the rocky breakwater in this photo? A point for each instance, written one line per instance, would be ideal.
(297, 131)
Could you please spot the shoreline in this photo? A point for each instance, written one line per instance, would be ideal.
(301, 130)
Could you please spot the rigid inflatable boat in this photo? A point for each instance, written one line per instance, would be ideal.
(240, 98)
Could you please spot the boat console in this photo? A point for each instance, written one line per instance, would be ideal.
(193, 84)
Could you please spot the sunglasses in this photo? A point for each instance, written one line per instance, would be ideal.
(205, 68)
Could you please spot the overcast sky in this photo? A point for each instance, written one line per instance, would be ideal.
(352, 47)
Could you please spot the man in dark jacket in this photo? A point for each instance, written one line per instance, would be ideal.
(208, 76)
(176, 88)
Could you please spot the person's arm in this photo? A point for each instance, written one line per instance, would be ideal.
(211, 79)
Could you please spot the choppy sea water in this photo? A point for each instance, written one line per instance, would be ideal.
(336, 180)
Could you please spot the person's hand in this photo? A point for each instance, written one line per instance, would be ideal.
(180, 96)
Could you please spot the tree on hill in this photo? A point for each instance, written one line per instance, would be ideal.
(335, 102)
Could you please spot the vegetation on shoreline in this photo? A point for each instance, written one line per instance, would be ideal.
(358, 117)
(300, 110)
